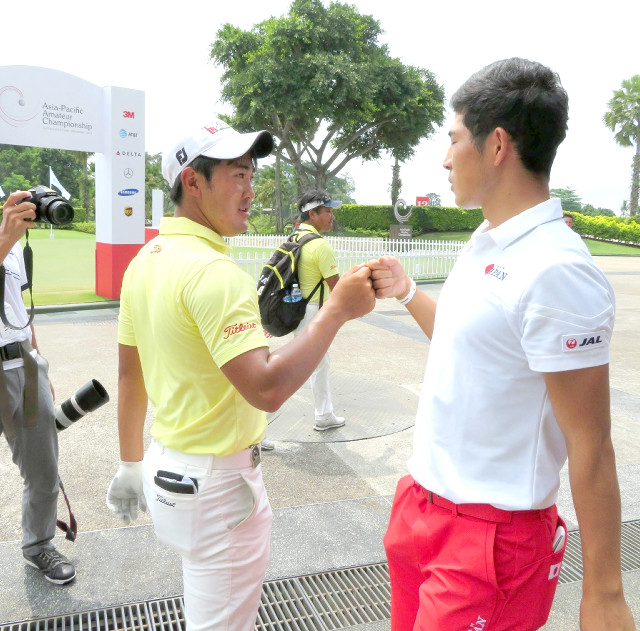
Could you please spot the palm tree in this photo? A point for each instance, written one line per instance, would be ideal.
(623, 118)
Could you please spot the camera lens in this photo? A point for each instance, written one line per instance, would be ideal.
(58, 212)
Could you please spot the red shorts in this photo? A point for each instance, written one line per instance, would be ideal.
(450, 571)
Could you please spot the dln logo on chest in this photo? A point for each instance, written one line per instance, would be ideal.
(497, 271)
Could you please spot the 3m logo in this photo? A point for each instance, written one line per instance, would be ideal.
(127, 114)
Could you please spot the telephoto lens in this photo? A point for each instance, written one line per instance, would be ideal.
(88, 399)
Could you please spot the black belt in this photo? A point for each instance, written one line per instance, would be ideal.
(10, 351)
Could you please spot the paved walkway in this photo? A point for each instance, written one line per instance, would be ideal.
(331, 494)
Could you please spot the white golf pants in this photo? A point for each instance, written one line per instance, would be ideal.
(222, 533)
(319, 380)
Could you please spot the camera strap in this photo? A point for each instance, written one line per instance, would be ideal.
(71, 529)
(27, 254)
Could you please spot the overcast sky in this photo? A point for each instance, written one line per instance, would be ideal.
(163, 47)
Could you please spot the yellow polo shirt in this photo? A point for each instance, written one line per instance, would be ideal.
(317, 261)
(189, 309)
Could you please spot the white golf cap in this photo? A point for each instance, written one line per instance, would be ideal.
(214, 141)
(325, 200)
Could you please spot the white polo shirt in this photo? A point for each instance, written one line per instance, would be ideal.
(523, 299)
(14, 309)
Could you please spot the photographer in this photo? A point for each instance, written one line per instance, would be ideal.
(26, 402)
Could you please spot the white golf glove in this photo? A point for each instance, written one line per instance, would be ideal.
(125, 495)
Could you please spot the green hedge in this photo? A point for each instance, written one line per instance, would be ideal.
(622, 229)
(84, 226)
(423, 218)
(377, 219)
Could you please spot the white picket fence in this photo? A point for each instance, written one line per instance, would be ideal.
(422, 259)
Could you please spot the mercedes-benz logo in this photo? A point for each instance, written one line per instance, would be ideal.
(128, 173)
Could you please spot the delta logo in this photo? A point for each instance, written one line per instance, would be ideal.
(126, 192)
(497, 271)
(582, 342)
(129, 154)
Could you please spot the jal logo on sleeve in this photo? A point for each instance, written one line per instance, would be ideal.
(583, 341)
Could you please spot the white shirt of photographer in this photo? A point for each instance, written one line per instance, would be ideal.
(14, 309)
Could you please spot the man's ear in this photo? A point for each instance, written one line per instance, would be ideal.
(191, 181)
(501, 145)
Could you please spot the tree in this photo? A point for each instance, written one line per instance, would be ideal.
(264, 186)
(396, 183)
(153, 179)
(434, 199)
(624, 208)
(588, 209)
(623, 118)
(15, 182)
(33, 163)
(342, 187)
(570, 200)
(320, 82)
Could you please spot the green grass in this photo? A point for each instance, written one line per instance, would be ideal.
(603, 248)
(445, 236)
(64, 266)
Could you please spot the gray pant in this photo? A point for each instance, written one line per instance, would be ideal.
(35, 451)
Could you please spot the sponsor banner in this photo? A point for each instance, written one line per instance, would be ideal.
(120, 199)
(41, 107)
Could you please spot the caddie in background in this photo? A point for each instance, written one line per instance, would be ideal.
(26, 402)
(318, 262)
(190, 339)
(517, 381)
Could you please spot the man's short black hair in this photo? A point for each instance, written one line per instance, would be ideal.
(523, 97)
(204, 166)
(316, 195)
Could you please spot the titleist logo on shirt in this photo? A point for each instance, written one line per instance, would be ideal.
(232, 329)
(583, 342)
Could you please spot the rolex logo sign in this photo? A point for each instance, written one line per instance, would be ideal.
(128, 211)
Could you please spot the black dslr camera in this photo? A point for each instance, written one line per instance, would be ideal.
(50, 207)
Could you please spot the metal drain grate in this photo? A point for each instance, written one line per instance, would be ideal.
(316, 602)
(630, 553)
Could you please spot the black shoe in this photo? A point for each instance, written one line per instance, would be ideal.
(55, 566)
